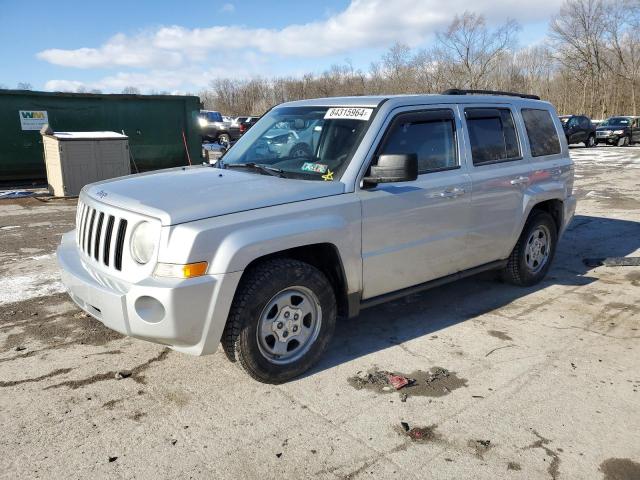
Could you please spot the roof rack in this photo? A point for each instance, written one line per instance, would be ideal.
(457, 91)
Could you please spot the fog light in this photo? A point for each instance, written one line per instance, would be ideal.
(149, 309)
(173, 270)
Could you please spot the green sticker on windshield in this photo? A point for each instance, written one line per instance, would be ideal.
(314, 167)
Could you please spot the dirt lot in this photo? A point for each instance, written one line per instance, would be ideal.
(511, 383)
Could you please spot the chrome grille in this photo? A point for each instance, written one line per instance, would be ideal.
(100, 236)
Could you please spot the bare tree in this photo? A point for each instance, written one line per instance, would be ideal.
(469, 49)
(131, 90)
(24, 86)
(578, 34)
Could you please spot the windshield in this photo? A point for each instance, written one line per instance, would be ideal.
(616, 122)
(311, 143)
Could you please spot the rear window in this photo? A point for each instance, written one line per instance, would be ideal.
(543, 138)
(212, 116)
(492, 134)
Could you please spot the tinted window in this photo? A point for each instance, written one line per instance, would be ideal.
(432, 139)
(543, 138)
(492, 134)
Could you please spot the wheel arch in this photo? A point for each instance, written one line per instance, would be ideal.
(323, 256)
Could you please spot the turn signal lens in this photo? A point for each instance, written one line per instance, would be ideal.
(190, 270)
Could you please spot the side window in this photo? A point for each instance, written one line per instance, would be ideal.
(543, 137)
(492, 134)
(430, 135)
(585, 123)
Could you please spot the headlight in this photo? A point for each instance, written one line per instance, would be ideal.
(202, 122)
(143, 242)
(618, 132)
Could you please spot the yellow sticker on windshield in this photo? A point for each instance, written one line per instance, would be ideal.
(328, 176)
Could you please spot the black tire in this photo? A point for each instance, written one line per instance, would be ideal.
(301, 150)
(623, 142)
(257, 288)
(224, 138)
(591, 141)
(517, 270)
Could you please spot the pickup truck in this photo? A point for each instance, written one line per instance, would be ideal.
(264, 252)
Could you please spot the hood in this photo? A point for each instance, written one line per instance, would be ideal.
(180, 195)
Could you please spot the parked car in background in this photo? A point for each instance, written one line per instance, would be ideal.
(246, 123)
(394, 195)
(579, 129)
(290, 139)
(621, 131)
(213, 127)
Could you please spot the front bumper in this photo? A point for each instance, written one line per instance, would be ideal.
(610, 138)
(188, 315)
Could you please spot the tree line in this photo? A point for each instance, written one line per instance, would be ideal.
(589, 63)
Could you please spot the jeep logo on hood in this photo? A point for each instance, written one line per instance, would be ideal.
(101, 194)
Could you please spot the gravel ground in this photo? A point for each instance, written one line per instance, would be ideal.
(511, 383)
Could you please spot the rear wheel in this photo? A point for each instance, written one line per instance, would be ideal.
(531, 257)
(281, 320)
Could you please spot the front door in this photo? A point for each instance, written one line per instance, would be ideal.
(413, 232)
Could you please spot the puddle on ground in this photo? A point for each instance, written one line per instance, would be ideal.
(514, 466)
(620, 469)
(499, 334)
(437, 382)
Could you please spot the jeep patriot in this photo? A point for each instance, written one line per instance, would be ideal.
(262, 252)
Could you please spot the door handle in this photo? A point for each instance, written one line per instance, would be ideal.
(519, 180)
(453, 193)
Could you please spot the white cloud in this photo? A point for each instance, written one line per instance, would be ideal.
(364, 23)
(228, 8)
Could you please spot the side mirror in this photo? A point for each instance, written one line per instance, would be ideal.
(394, 168)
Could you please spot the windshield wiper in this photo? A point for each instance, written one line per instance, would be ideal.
(276, 172)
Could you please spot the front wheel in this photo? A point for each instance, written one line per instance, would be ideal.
(281, 320)
(531, 257)
(623, 142)
(591, 141)
(224, 138)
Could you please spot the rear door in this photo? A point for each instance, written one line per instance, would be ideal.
(499, 176)
(413, 232)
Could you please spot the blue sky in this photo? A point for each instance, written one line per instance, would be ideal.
(180, 46)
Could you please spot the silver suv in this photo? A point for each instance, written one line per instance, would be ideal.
(263, 251)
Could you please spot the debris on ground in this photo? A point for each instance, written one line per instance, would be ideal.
(398, 381)
(434, 383)
(279, 454)
(122, 374)
(480, 447)
(112, 459)
(174, 441)
(419, 434)
(612, 262)
(20, 348)
(403, 397)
